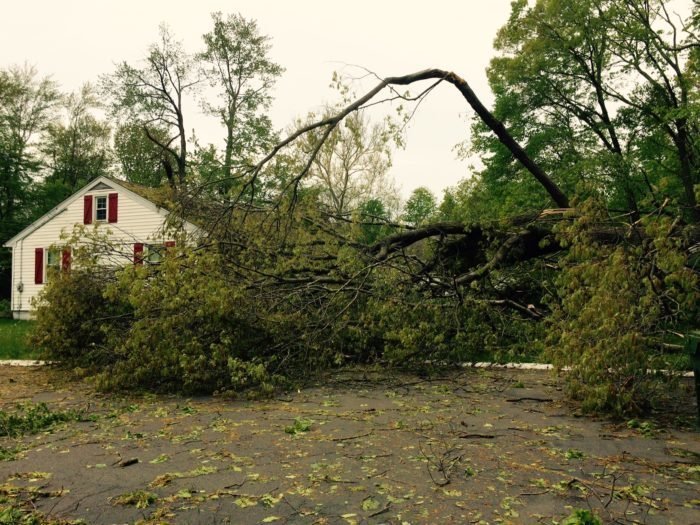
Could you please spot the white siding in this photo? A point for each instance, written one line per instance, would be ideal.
(137, 221)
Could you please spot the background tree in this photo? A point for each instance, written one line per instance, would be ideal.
(420, 206)
(598, 93)
(77, 147)
(373, 217)
(138, 158)
(352, 164)
(153, 96)
(654, 44)
(236, 62)
(27, 108)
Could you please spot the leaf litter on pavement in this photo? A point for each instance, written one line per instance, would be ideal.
(470, 447)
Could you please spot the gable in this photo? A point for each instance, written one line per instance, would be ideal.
(137, 216)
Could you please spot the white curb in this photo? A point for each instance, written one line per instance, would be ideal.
(544, 366)
(480, 364)
(23, 362)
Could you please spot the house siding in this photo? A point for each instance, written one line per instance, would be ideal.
(138, 221)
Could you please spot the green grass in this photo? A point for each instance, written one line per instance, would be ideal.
(13, 339)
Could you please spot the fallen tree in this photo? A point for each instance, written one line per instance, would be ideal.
(655, 249)
(295, 288)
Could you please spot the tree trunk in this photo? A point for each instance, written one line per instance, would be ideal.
(686, 169)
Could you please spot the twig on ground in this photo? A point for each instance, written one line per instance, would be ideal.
(382, 511)
(348, 438)
(537, 399)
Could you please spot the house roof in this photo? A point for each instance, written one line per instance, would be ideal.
(150, 197)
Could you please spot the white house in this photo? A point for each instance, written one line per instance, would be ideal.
(131, 219)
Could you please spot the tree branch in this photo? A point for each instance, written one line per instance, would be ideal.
(463, 87)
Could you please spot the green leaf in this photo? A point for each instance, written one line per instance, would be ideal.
(244, 502)
(369, 503)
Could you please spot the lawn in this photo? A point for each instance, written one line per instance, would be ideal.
(13, 339)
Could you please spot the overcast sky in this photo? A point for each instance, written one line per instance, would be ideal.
(75, 41)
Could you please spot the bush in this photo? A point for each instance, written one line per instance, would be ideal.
(179, 325)
(73, 318)
(5, 311)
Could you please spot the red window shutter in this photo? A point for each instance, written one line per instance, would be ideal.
(87, 209)
(170, 244)
(65, 260)
(113, 207)
(138, 253)
(39, 266)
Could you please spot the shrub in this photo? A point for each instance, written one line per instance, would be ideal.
(179, 325)
(73, 318)
(5, 311)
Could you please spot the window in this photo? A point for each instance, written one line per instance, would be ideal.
(154, 253)
(48, 262)
(151, 253)
(53, 263)
(101, 209)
